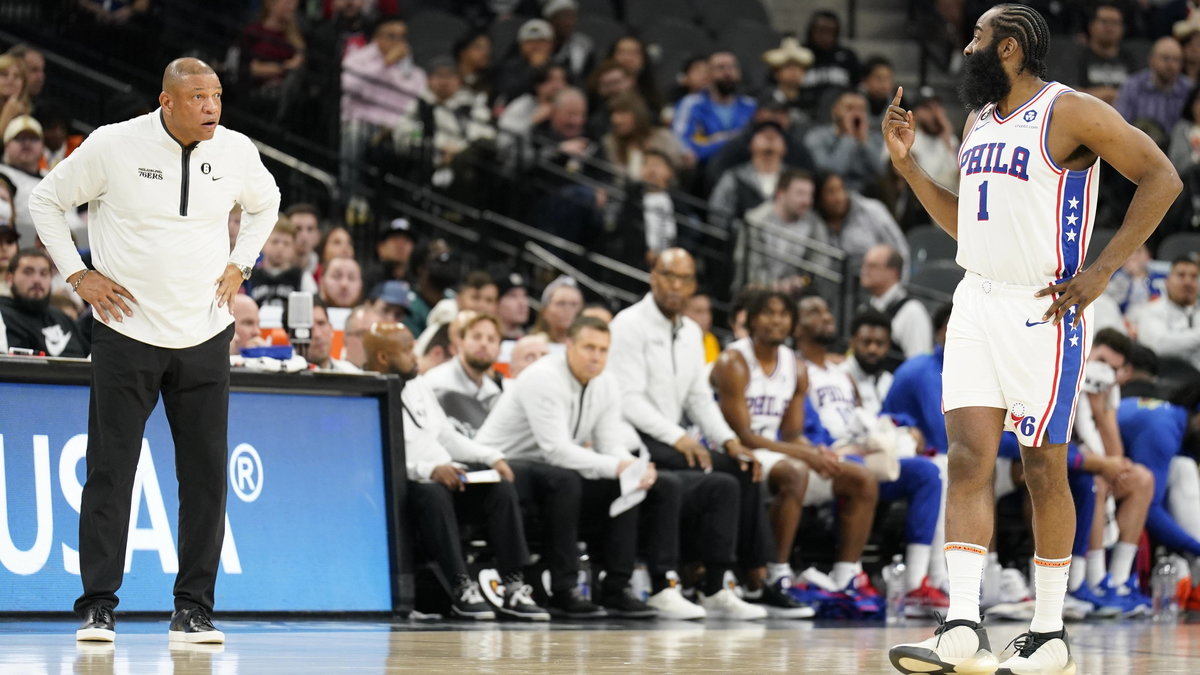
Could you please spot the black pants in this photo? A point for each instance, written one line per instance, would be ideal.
(572, 509)
(435, 513)
(690, 516)
(127, 377)
(755, 544)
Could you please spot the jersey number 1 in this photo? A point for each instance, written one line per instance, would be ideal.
(983, 214)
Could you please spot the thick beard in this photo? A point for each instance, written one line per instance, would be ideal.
(725, 88)
(32, 305)
(867, 367)
(983, 79)
(478, 365)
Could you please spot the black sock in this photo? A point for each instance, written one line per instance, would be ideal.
(461, 581)
(513, 580)
(714, 578)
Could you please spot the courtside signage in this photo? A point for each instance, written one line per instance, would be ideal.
(306, 522)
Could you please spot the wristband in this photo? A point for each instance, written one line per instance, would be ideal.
(75, 286)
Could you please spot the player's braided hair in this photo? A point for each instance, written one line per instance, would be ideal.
(1027, 26)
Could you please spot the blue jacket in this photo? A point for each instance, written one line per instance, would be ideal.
(1152, 432)
(699, 127)
(917, 393)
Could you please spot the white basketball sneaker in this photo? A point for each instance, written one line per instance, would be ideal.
(957, 646)
(671, 604)
(725, 604)
(1040, 654)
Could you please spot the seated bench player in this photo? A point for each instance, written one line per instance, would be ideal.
(439, 497)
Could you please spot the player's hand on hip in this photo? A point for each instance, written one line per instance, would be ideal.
(899, 131)
(1074, 295)
(227, 286)
(107, 298)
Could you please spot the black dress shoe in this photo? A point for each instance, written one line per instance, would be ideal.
(99, 624)
(193, 625)
(571, 604)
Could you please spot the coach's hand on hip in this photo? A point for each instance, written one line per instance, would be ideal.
(106, 297)
(227, 286)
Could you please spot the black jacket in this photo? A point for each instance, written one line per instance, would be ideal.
(50, 331)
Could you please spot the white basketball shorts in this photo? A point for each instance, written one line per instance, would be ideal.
(1001, 354)
(820, 490)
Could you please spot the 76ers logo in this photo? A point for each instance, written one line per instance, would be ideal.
(1026, 424)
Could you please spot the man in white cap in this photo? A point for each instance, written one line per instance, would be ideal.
(22, 150)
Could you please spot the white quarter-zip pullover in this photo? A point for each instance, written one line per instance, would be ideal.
(659, 366)
(158, 221)
(546, 415)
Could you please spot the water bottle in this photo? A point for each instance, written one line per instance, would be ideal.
(893, 579)
(1165, 607)
(585, 572)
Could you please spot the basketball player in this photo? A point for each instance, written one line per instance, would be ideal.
(761, 387)
(1020, 330)
(916, 480)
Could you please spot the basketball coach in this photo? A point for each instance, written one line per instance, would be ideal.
(159, 189)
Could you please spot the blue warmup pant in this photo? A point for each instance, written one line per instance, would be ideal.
(920, 484)
(1160, 525)
(1083, 493)
(1166, 532)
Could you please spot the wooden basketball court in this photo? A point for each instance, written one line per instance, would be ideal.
(324, 646)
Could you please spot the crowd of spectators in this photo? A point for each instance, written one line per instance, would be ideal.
(790, 174)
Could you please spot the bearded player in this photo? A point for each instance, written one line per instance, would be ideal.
(1021, 327)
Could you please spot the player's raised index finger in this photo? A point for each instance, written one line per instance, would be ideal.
(899, 93)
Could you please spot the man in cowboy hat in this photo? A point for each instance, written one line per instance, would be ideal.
(789, 63)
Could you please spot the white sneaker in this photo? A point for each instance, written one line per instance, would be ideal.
(1075, 609)
(1040, 654)
(725, 604)
(956, 647)
(1012, 611)
(1014, 600)
(1013, 587)
(671, 604)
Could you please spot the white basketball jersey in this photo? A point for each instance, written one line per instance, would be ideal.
(832, 393)
(1022, 219)
(768, 395)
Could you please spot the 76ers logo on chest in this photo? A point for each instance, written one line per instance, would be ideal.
(1025, 424)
